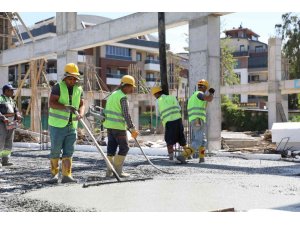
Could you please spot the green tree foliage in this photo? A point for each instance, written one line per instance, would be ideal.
(228, 63)
(291, 36)
(237, 119)
(290, 32)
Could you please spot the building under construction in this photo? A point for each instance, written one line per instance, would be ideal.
(6, 30)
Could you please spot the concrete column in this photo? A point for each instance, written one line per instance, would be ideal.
(3, 76)
(274, 93)
(134, 109)
(62, 59)
(65, 22)
(204, 44)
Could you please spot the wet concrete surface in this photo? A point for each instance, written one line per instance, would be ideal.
(222, 182)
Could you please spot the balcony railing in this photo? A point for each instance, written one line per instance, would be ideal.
(112, 75)
(51, 70)
(241, 53)
(151, 79)
(147, 61)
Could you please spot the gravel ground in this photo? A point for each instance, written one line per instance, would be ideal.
(31, 171)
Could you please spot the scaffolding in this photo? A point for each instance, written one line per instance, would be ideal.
(6, 31)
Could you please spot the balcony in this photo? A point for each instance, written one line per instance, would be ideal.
(240, 53)
(152, 65)
(51, 74)
(113, 79)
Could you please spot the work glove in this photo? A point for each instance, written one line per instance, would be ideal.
(134, 133)
(211, 91)
(70, 108)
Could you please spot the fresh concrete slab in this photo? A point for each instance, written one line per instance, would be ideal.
(202, 193)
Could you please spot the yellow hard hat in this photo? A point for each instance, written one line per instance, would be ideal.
(155, 90)
(127, 79)
(71, 69)
(203, 82)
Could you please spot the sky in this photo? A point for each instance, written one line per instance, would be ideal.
(262, 23)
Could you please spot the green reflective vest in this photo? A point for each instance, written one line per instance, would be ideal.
(196, 108)
(168, 108)
(60, 118)
(7, 104)
(114, 118)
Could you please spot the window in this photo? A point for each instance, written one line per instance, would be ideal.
(150, 77)
(253, 78)
(138, 56)
(241, 34)
(150, 57)
(259, 48)
(118, 51)
(242, 48)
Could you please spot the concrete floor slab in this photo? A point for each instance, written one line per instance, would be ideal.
(209, 193)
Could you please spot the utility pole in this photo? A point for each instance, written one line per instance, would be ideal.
(162, 52)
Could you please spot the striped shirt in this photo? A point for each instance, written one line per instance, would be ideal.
(125, 110)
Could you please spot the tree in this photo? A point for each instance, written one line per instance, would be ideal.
(228, 76)
(291, 37)
(227, 64)
(290, 34)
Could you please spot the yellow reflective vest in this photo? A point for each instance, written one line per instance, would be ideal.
(168, 108)
(114, 118)
(196, 108)
(60, 118)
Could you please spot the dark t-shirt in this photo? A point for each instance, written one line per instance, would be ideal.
(200, 96)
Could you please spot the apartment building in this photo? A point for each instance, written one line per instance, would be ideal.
(252, 61)
(137, 56)
(112, 61)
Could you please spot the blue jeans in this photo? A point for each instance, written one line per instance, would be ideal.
(198, 135)
(62, 141)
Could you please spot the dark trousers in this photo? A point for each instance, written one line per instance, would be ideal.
(174, 132)
(117, 138)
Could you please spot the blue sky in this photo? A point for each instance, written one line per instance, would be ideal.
(262, 23)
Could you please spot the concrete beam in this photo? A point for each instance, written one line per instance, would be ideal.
(251, 89)
(112, 31)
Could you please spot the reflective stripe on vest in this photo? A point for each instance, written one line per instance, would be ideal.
(60, 118)
(196, 108)
(169, 109)
(114, 118)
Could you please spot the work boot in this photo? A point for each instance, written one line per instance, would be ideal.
(201, 160)
(181, 159)
(67, 171)
(118, 162)
(187, 152)
(54, 171)
(5, 162)
(109, 172)
(53, 180)
(201, 154)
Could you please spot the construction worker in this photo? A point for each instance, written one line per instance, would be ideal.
(197, 118)
(117, 121)
(65, 98)
(169, 111)
(9, 117)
